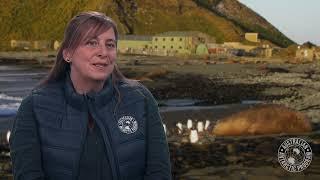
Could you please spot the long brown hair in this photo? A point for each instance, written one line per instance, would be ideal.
(77, 30)
(79, 27)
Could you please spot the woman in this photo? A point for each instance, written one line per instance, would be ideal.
(86, 120)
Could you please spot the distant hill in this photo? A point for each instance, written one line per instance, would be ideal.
(227, 20)
(247, 19)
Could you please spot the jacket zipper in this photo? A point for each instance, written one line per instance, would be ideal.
(83, 136)
(111, 155)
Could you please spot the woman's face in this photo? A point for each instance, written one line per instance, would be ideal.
(94, 59)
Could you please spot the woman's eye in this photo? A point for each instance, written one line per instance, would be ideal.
(92, 43)
(110, 45)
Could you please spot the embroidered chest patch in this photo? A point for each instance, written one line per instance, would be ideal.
(128, 124)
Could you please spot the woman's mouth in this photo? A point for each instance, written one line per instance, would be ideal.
(100, 65)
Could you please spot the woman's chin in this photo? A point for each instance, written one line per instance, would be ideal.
(100, 77)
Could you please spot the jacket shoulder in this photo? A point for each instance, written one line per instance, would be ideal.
(135, 88)
(49, 95)
(49, 89)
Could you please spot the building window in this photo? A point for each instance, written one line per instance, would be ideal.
(163, 47)
(171, 47)
(156, 47)
(146, 46)
(180, 47)
(172, 39)
(180, 39)
(156, 39)
(164, 39)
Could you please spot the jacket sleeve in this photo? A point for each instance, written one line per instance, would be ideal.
(158, 158)
(24, 144)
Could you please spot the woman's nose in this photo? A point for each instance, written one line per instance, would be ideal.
(103, 51)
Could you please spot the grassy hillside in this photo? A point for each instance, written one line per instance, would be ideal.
(247, 19)
(157, 16)
(46, 19)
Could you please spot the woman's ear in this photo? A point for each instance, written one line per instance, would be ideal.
(66, 55)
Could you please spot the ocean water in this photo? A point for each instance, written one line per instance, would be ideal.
(16, 82)
(9, 105)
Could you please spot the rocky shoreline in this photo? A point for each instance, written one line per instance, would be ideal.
(215, 82)
(294, 85)
(213, 157)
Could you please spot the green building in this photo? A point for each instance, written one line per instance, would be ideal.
(134, 44)
(179, 42)
(172, 43)
(202, 50)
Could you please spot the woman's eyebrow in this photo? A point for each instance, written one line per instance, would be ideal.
(90, 38)
(111, 40)
(97, 38)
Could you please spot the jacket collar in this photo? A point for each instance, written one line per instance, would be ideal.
(80, 101)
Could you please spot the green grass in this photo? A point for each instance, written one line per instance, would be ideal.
(46, 20)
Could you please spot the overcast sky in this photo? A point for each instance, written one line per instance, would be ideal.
(297, 19)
